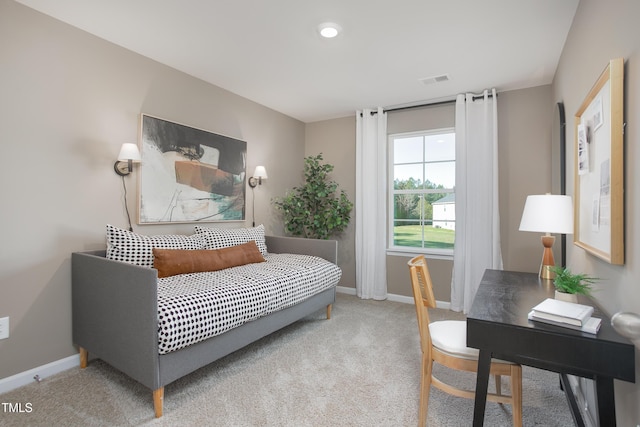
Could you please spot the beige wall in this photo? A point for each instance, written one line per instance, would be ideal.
(335, 139)
(524, 134)
(68, 101)
(524, 157)
(602, 31)
(420, 119)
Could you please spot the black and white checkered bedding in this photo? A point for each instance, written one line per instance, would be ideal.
(194, 307)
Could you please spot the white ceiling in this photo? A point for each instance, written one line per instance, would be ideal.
(269, 51)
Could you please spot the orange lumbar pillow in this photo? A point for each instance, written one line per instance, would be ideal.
(170, 262)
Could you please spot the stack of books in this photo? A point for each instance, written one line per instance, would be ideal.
(566, 314)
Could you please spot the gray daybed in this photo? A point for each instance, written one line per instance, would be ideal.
(115, 317)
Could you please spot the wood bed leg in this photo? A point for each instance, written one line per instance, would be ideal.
(329, 311)
(158, 398)
(84, 357)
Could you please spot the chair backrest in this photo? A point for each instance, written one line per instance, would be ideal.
(423, 297)
(421, 279)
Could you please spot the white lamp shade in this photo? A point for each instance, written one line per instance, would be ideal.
(129, 151)
(548, 213)
(260, 172)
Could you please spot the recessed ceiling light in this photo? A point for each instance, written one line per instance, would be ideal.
(329, 29)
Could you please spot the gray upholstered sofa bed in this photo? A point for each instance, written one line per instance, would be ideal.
(115, 317)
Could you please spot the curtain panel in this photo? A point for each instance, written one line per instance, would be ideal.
(477, 245)
(371, 207)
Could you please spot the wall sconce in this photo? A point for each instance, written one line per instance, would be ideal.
(258, 175)
(129, 154)
(548, 214)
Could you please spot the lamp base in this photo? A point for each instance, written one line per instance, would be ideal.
(253, 181)
(546, 273)
(548, 262)
(123, 168)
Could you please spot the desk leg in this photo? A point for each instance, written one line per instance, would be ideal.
(606, 401)
(482, 383)
(571, 400)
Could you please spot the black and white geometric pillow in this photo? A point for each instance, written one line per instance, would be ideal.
(218, 238)
(133, 248)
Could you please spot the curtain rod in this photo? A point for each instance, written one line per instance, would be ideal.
(431, 104)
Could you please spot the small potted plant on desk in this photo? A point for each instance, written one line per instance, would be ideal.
(569, 285)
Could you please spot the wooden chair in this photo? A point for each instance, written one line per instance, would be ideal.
(444, 342)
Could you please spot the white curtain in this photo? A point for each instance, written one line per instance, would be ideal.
(477, 245)
(371, 206)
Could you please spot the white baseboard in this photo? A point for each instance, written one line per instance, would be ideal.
(346, 290)
(44, 371)
(394, 297)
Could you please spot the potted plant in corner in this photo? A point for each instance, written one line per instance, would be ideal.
(315, 210)
(569, 285)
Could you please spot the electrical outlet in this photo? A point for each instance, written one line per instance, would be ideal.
(4, 328)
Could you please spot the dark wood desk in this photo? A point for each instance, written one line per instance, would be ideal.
(497, 325)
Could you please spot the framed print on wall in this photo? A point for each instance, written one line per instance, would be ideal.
(599, 167)
(189, 174)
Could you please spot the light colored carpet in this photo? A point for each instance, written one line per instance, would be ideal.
(361, 368)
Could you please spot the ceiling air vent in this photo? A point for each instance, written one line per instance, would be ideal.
(435, 79)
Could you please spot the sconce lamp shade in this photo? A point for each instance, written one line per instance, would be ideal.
(129, 151)
(547, 214)
(259, 174)
(129, 154)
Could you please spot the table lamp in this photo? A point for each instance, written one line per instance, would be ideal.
(547, 213)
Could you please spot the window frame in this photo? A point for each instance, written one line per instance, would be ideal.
(391, 192)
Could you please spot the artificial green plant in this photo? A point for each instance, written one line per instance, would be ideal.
(316, 209)
(570, 283)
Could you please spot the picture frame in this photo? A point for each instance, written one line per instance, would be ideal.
(599, 183)
(189, 174)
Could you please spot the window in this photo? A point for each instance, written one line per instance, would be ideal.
(422, 192)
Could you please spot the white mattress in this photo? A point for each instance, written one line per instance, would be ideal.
(194, 307)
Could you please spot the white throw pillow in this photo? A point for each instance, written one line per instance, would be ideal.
(218, 238)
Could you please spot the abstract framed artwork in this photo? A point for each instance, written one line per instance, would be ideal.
(599, 174)
(189, 174)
